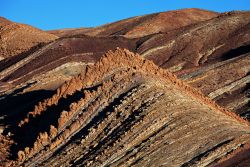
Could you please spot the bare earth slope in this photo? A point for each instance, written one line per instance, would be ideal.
(144, 25)
(125, 111)
(16, 38)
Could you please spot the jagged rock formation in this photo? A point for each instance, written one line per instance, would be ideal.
(48, 87)
(125, 111)
(16, 38)
(211, 55)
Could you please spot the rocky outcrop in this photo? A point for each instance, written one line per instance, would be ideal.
(126, 110)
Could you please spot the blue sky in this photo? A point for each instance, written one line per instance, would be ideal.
(56, 14)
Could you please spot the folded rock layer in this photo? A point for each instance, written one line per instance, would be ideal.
(126, 111)
(211, 54)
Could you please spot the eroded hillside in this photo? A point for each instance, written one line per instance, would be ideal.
(16, 38)
(70, 100)
(211, 55)
(124, 111)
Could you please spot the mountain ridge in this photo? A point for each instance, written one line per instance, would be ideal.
(105, 67)
(137, 92)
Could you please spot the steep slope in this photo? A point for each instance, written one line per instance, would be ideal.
(144, 25)
(16, 38)
(126, 111)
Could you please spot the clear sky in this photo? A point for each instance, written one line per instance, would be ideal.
(56, 14)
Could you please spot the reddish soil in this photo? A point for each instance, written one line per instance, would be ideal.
(16, 38)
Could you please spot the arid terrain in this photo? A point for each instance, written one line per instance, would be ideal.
(165, 89)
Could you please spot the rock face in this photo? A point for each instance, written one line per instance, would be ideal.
(16, 38)
(179, 98)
